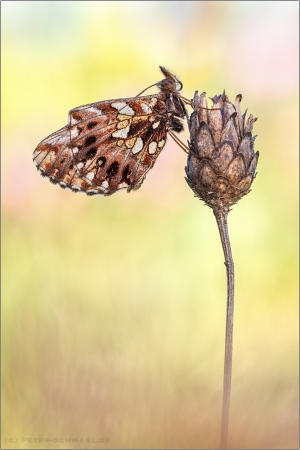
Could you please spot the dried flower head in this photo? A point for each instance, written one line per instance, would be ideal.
(221, 164)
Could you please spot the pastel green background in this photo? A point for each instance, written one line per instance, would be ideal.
(113, 308)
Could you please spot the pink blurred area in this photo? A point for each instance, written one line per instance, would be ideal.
(264, 51)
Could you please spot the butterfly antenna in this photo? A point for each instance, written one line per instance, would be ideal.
(146, 89)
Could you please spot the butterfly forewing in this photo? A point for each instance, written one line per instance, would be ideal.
(109, 145)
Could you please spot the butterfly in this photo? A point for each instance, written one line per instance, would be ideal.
(111, 145)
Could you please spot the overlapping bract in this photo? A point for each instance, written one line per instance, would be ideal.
(222, 163)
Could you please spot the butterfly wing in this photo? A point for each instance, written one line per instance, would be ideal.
(106, 146)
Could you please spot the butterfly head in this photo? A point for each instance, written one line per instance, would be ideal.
(170, 83)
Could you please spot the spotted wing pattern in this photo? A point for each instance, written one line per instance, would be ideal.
(107, 146)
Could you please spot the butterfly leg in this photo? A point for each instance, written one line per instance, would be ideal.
(184, 147)
(179, 142)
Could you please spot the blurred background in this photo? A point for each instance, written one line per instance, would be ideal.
(113, 308)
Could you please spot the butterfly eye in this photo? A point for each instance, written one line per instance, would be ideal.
(168, 85)
(179, 85)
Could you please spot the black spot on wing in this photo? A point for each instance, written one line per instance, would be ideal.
(91, 125)
(113, 169)
(91, 153)
(90, 140)
(101, 161)
(125, 175)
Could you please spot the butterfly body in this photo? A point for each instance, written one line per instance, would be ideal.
(111, 145)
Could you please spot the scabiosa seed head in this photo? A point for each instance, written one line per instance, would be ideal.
(221, 164)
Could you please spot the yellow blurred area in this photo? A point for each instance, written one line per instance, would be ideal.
(113, 308)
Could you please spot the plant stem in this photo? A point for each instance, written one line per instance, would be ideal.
(221, 218)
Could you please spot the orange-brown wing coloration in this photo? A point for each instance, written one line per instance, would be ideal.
(110, 145)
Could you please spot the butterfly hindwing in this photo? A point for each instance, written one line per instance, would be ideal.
(109, 145)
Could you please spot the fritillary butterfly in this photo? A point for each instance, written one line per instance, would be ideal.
(111, 145)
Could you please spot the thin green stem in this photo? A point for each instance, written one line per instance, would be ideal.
(221, 218)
